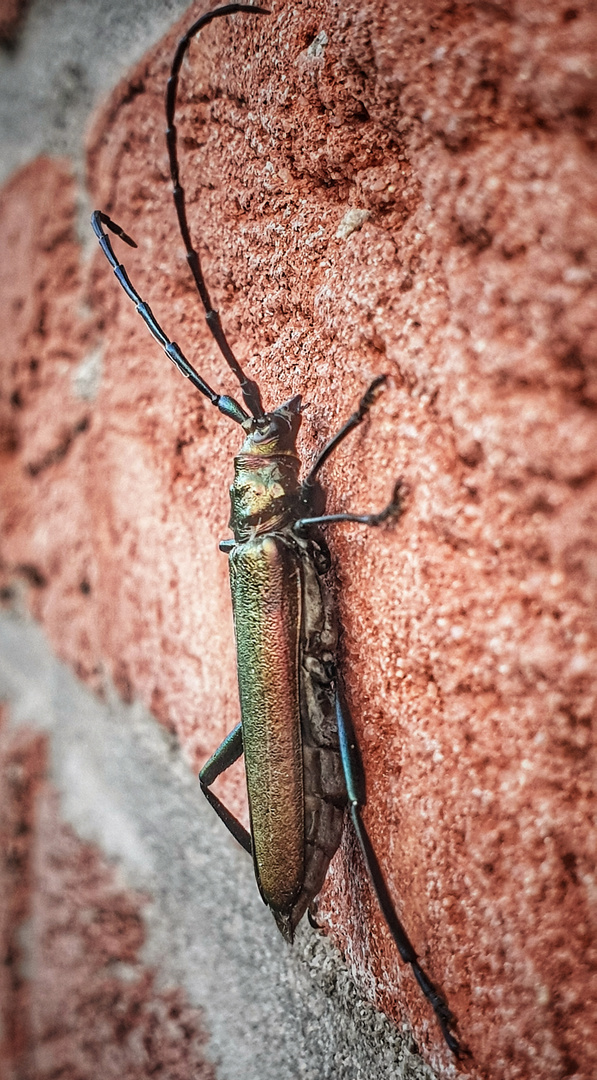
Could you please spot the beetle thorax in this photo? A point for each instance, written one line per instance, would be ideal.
(266, 484)
(263, 495)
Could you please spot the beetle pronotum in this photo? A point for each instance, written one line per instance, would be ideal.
(301, 758)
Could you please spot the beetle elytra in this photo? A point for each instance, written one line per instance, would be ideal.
(301, 758)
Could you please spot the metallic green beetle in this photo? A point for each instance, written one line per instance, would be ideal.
(301, 758)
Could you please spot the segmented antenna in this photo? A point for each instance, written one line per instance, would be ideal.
(225, 404)
(249, 389)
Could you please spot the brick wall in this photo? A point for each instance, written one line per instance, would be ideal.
(466, 135)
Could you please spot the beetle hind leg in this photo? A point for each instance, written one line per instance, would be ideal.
(227, 753)
(355, 786)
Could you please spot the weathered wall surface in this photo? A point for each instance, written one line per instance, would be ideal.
(72, 930)
(77, 999)
(467, 134)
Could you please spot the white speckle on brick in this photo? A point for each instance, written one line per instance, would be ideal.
(87, 375)
(317, 46)
(352, 221)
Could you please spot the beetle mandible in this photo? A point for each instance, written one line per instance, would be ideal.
(301, 757)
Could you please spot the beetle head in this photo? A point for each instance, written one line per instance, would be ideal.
(273, 433)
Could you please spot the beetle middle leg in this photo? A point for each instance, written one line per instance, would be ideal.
(355, 788)
(227, 753)
(392, 510)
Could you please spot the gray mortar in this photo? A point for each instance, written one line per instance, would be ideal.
(67, 56)
(273, 1013)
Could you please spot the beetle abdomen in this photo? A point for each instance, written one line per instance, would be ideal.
(266, 595)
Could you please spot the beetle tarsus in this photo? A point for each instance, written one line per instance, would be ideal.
(113, 227)
(369, 396)
(393, 510)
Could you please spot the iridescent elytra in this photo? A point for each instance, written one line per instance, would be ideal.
(302, 764)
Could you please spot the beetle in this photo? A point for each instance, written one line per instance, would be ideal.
(302, 762)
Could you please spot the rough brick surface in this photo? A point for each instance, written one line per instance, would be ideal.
(42, 416)
(22, 760)
(76, 999)
(467, 133)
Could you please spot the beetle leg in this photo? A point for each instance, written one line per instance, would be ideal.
(226, 405)
(227, 753)
(392, 510)
(355, 787)
(353, 421)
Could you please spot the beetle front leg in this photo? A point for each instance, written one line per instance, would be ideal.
(355, 788)
(353, 421)
(227, 753)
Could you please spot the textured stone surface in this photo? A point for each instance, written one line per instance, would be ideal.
(77, 1000)
(63, 56)
(467, 135)
(22, 761)
(272, 1012)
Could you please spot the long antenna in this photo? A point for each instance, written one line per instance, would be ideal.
(225, 404)
(249, 389)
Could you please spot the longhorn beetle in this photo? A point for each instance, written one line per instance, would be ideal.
(301, 757)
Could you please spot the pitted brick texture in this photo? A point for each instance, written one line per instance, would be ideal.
(467, 134)
(43, 415)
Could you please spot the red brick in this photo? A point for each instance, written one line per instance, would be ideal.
(469, 635)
